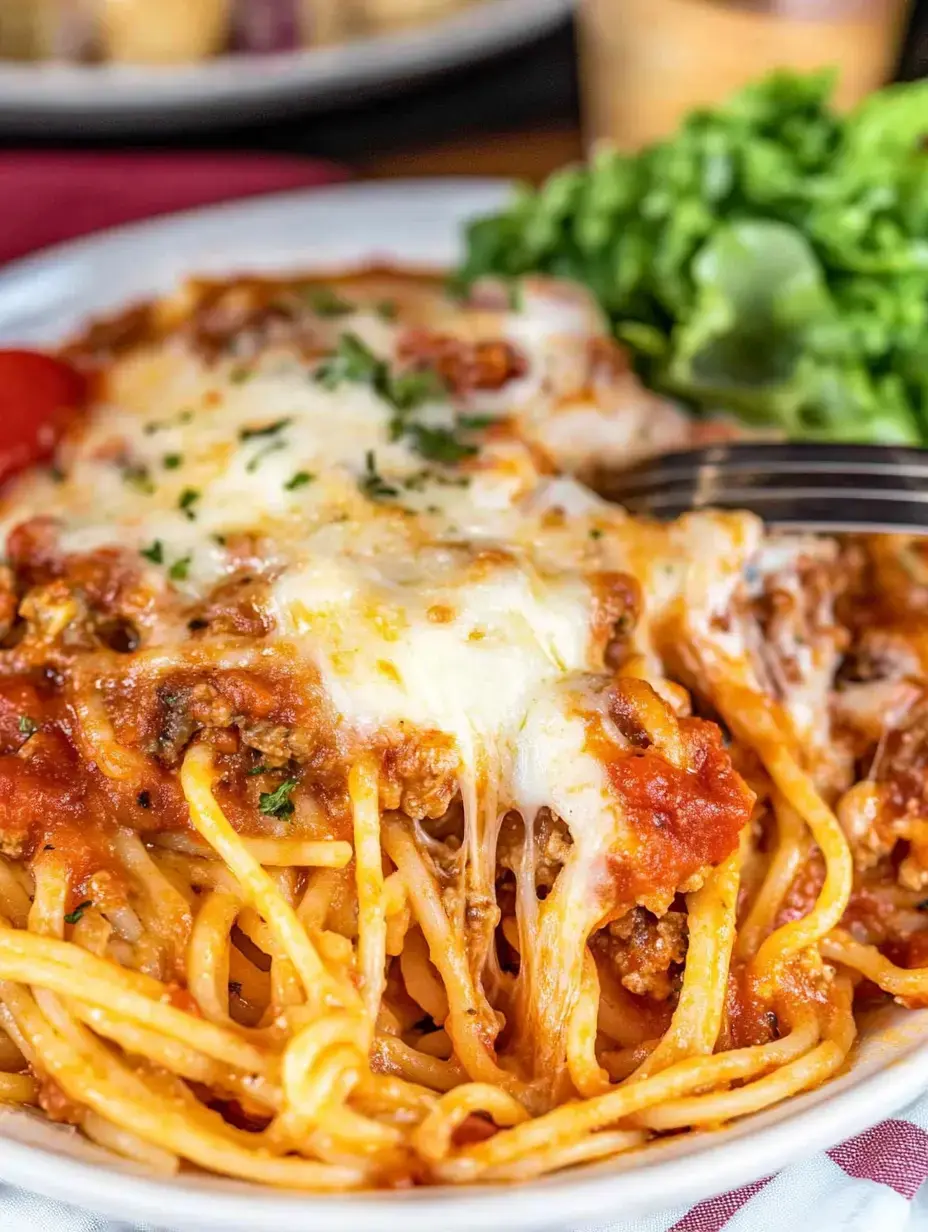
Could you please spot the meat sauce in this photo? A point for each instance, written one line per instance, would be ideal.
(682, 820)
(464, 367)
(53, 798)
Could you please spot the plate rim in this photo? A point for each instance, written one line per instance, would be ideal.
(114, 96)
(717, 1162)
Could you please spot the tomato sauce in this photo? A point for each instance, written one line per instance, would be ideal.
(683, 819)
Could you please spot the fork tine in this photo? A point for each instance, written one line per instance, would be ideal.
(834, 485)
(768, 459)
(846, 487)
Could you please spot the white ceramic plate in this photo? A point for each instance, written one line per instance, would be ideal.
(76, 98)
(417, 223)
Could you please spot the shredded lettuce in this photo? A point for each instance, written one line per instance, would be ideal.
(770, 259)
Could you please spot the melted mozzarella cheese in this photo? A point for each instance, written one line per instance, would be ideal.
(458, 598)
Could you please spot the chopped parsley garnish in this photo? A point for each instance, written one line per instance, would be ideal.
(409, 390)
(180, 570)
(75, 916)
(405, 392)
(596, 533)
(56, 474)
(516, 298)
(328, 303)
(143, 799)
(158, 425)
(438, 444)
(171, 461)
(187, 502)
(473, 423)
(137, 476)
(372, 483)
(255, 462)
(219, 540)
(26, 725)
(387, 309)
(351, 361)
(268, 429)
(241, 374)
(277, 803)
(299, 480)
(154, 552)
(256, 770)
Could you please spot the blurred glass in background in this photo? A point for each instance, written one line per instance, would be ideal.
(646, 63)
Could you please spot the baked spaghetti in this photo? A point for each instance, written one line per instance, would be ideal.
(357, 827)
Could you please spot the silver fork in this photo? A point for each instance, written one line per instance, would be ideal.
(821, 487)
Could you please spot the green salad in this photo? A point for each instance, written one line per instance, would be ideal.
(769, 260)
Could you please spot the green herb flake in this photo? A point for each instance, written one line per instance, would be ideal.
(387, 309)
(255, 462)
(26, 725)
(171, 461)
(159, 425)
(180, 570)
(75, 916)
(439, 444)
(476, 423)
(256, 770)
(240, 374)
(137, 476)
(299, 480)
(268, 429)
(416, 482)
(277, 803)
(353, 361)
(596, 533)
(372, 483)
(409, 390)
(187, 503)
(328, 303)
(154, 552)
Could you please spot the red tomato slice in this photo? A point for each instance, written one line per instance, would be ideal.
(39, 396)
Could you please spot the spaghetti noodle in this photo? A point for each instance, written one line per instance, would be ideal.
(356, 828)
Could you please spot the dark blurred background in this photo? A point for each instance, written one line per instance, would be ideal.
(516, 113)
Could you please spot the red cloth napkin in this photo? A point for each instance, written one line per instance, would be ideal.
(45, 198)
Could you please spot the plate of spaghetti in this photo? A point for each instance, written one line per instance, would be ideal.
(390, 828)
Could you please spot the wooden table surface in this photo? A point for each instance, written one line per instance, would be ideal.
(525, 154)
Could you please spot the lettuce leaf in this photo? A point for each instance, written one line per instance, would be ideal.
(769, 259)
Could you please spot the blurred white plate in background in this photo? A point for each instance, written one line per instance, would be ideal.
(75, 99)
(417, 223)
